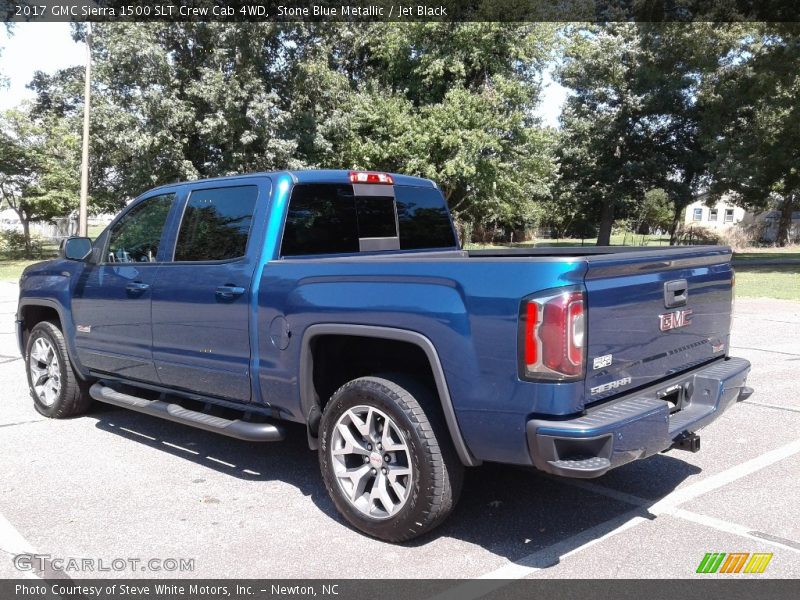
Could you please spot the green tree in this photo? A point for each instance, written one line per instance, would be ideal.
(453, 102)
(655, 212)
(38, 168)
(755, 118)
(634, 121)
(602, 150)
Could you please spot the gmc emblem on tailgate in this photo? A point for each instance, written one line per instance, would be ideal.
(673, 320)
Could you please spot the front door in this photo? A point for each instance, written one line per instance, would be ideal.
(111, 299)
(201, 299)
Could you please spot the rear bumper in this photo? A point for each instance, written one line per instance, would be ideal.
(637, 425)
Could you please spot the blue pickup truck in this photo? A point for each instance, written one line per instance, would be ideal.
(341, 300)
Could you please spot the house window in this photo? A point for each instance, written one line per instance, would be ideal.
(698, 214)
(712, 214)
(729, 215)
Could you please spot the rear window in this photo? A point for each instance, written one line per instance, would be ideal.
(424, 219)
(331, 219)
(321, 220)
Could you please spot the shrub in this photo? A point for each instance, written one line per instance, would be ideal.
(742, 236)
(694, 234)
(12, 245)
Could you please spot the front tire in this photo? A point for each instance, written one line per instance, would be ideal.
(56, 389)
(388, 465)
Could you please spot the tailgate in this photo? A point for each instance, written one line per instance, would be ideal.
(653, 314)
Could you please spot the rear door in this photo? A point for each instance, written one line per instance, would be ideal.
(652, 315)
(201, 298)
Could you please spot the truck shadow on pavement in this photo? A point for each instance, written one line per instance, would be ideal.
(513, 512)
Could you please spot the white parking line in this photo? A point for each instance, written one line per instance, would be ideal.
(729, 527)
(690, 492)
(705, 520)
(543, 558)
(550, 555)
(13, 544)
(596, 488)
(777, 406)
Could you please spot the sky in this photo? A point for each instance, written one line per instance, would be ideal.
(48, 47)
(34, 47)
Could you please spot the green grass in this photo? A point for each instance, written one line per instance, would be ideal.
(768, 254)
(781, 282)
(618, 239)
(10, 270)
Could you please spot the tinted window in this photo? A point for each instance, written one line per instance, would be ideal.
(136, 236)
(423, 218)
(376, 217)
(216, 224)
(328, 219)
(321, 220)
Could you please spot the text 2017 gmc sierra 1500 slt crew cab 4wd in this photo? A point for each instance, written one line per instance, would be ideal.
(341, 300)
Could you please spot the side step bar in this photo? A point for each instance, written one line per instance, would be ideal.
(242, 430)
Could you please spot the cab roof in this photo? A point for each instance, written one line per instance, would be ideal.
(308, 176)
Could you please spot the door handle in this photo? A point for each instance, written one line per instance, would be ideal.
(137, 287)
(676, 293)
(229, 292)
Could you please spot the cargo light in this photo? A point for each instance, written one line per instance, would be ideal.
(370, 177)
(553, 332)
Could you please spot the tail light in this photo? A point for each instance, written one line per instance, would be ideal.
(553, 332)
(370, 177)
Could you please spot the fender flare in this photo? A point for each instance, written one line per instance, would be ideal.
(309, 398)
(66, 323)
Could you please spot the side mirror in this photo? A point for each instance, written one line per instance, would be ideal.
(76, 248)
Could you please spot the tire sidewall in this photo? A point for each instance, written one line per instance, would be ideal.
(374, 394)
(44, 330)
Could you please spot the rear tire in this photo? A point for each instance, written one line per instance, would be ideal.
(389, 466)
(57, 390)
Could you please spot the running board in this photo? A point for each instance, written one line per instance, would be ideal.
(242, 430)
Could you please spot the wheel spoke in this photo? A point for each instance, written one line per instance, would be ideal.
(358, 480)
(38, 351)
(351, 444)
(396, 471)
(389, 445)
(360, 424)
(379, 492)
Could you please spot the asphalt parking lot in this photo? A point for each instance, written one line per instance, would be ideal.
(117, 484)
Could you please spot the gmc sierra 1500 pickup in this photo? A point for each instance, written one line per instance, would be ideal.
(342, 301)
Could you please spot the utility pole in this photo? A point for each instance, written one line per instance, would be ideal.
(83, 226)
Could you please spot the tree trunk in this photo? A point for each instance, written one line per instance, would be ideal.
(606, 222)
(785, 221)
(26, 231)
(676, 220)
